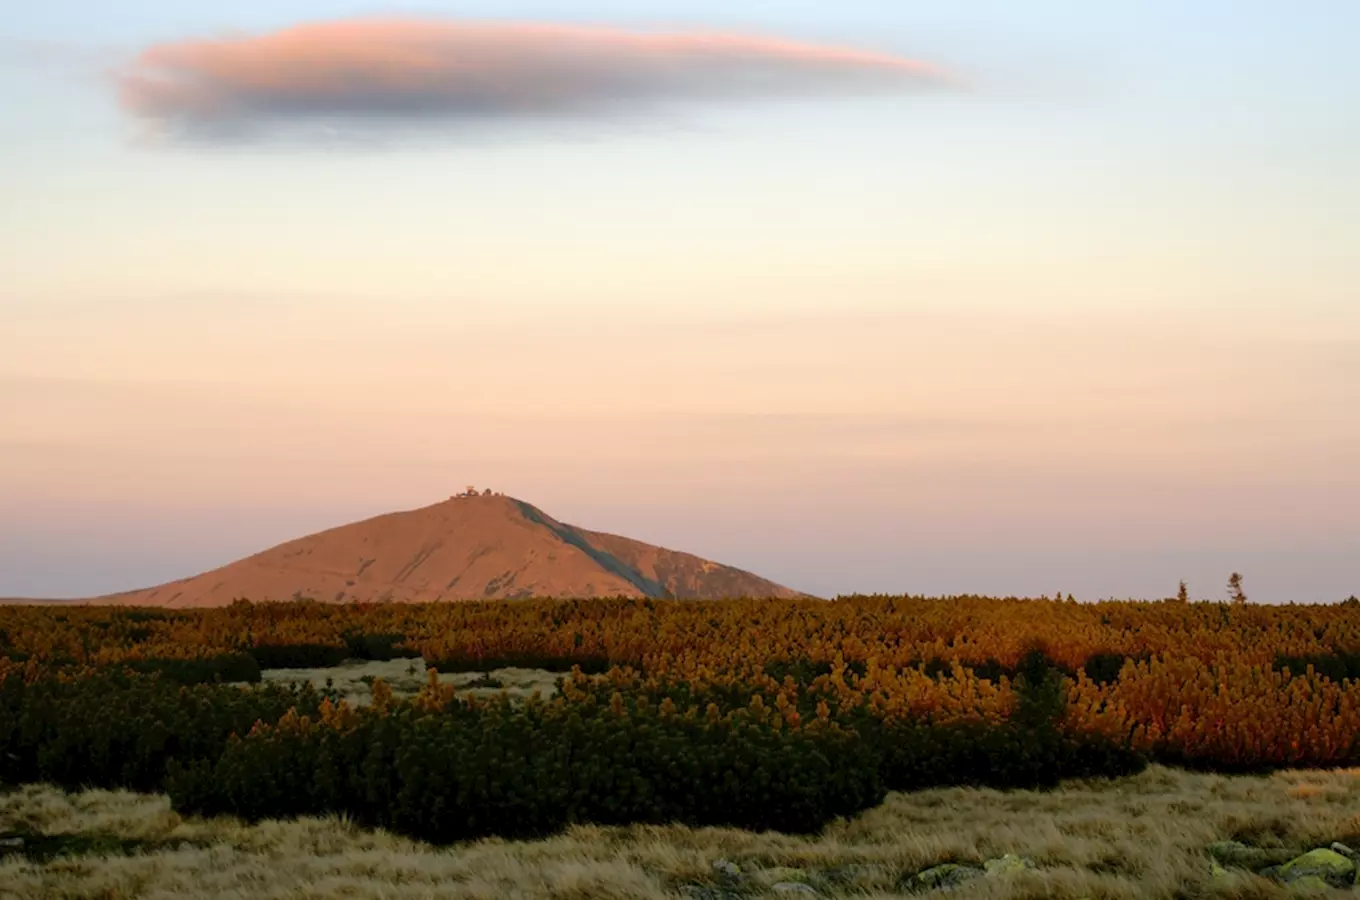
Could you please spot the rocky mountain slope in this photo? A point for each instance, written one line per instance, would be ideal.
(468, 547)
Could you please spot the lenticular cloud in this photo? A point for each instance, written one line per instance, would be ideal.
(368, 72)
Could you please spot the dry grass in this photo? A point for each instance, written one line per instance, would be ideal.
(407, 676)
(1139, 837)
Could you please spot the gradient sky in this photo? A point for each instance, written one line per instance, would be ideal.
(1090, 324)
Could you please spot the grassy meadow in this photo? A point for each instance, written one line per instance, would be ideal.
(1146, 836)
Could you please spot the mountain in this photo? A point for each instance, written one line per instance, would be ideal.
(470, 547)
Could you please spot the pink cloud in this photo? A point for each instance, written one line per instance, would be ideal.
(367, 70)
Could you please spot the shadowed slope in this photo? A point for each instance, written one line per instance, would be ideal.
(684, 575)
(466, 548)
(569, 535)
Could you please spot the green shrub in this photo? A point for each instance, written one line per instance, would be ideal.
(459, 769)
(1026, 751)
(478, 769)
(224, 668)
(1338, 666)
(299, 656)
(117, 728)
(380, 647)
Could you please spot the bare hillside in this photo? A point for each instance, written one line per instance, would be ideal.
(468, 547)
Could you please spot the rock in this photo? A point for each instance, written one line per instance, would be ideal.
(1007, 865)
(727, 873)
(727, 869)
(1344, 850)
(1217, 871)
(1328, 865)
(795, 887)
(1311, 883)
(946, 876)
(1224, 850)
(1239, 855)
(11, 843)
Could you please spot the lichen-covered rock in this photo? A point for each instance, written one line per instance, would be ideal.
(945, 876)
(1007, 865)
(728, 876)
(795, 888)
(1223, 850)
(727, 869)
(1311, 883)
(1216, 870)
(1238, 855)
(1328, 865)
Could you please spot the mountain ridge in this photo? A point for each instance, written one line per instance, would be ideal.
(471, 546)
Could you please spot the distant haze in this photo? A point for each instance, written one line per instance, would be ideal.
(1080, 317)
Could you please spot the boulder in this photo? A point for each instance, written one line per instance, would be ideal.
(727, 869)
(1239, 855)
(1325, 864)
(728, 876)
(1311, 883)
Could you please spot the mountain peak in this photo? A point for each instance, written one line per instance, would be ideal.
(480, 545)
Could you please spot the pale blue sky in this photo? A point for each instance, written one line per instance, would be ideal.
(1092, 324)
